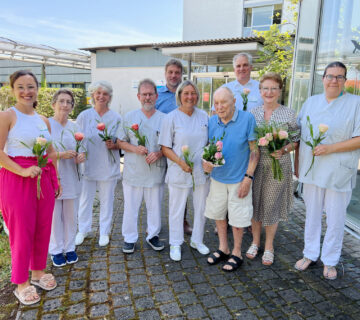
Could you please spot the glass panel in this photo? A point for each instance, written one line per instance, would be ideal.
(247, 17)
(304, 47)
(339, 41)
(204, 85)
(262, 16)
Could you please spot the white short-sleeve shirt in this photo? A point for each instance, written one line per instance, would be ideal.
(336, 171)
(63, 137)
(99, 164)
(179, 129)
(137, 172)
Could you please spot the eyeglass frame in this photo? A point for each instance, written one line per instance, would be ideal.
(330, 77)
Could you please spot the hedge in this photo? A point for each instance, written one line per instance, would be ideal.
(44, 100)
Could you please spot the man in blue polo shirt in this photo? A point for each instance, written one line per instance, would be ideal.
(166, 101)
(230, 188)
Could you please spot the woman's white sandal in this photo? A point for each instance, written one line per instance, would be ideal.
(252, 251)
(268, 258)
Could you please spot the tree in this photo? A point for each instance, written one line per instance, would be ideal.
(278, 48)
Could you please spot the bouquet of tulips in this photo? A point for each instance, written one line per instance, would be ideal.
(244, 96)
(315, 140)
(105, 135)
(273, 137)
(38, 150)
(141, 139)
(213, 152)
(187, 158)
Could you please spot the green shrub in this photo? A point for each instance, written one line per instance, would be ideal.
(44, 101)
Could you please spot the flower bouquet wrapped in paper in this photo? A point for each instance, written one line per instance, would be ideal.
(213, 152)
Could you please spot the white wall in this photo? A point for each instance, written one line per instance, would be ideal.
(122, 80)
(212, 19)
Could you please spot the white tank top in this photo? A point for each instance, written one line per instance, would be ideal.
(26, 129)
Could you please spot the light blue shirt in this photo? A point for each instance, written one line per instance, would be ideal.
(254, 97)
(166, 101)
(238, 132)
(335, 171)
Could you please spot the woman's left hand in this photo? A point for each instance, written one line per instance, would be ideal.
(322, 150)
(277, 154)
(80, 158)
(58, 192)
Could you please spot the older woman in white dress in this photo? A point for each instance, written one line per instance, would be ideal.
(102, 168)
(63, 229)
(185, 126)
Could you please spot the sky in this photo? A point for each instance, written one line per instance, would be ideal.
(75, 24)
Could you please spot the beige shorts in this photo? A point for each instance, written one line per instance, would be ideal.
(223, 198)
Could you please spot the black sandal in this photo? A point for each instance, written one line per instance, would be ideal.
(222, 257)
(235, 265)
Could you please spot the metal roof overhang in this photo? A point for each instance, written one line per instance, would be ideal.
(212, 54)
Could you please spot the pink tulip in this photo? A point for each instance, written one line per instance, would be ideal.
(323, 128)
(184, 148)
(246, 91)
(269, 136)
(218, 155)
(79, 136)
(283, 135)
(100, 126)
(263, 142)
(219, 145)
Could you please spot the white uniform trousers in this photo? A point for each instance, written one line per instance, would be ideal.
(177, 202)
(132, 202)
(334, 203)
(64, 226)
(106, 197)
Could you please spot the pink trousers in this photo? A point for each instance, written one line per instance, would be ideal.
(27, 218)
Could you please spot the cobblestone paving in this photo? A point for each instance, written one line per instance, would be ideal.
(106, 284)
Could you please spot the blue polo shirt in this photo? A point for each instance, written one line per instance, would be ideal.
(238, 132)
(166, 101)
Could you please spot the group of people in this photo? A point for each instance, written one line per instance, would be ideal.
(84, 157)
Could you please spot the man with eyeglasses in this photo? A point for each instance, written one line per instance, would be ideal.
(242, 63)
(144, 168)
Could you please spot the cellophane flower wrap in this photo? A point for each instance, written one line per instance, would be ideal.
(213, 152)
(188, 159)
(38, 150)
(106, 134)
(273, 137)
(245, 98)
(314, 141)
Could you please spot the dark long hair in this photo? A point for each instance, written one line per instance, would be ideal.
(17, 74)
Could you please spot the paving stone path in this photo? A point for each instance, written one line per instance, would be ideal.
(106, 284)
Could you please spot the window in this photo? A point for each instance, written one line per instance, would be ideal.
(261, 18)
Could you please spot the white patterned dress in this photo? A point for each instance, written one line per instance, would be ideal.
(272, 199)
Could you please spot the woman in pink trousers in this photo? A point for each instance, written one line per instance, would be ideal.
(27, 217)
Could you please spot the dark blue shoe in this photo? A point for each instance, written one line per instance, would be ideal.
(71, 257)
(58, 260)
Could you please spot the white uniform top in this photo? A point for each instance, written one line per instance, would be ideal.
(99, 164)
(179, 129)
(26, 129)
(254, 97)
(336, 171)
(137, 172)
(62, 136)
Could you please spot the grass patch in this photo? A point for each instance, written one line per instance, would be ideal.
(5, 258)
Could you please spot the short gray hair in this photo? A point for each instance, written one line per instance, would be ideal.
(248, 56)
(174, 62)
(226, 89)
(180, 89)
(103, 85)
(149, 82)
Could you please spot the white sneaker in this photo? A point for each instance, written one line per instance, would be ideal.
(80, 237)
(104, 240)
(175, 253)
(203, 249)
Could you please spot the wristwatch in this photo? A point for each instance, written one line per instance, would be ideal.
(249, 176)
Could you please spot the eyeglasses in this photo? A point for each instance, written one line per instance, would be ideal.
(269, 89)
(68, 102)
(330, 77)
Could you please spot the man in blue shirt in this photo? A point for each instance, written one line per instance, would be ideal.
(166, 101)
(242, 63)
(230, 188)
